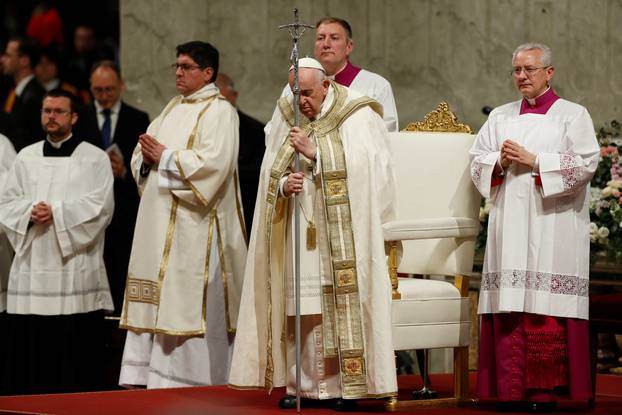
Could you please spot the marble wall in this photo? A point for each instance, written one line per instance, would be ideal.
(430, 50)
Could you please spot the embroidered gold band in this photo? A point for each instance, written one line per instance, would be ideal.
(143, 291)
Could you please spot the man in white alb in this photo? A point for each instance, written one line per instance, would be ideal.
(534, 159)
(187, 263)
(55, 209)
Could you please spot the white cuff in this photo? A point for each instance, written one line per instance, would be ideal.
(169, 176)
(502, 173)
(281, 185)
(536, 166)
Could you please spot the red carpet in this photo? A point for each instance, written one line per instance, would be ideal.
(222, 400)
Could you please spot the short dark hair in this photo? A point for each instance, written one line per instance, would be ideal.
(28, 47)
(57, 93)
(343, 23)
(107, 63)
(204, 54)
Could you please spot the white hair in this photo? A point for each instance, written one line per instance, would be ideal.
(546, 57)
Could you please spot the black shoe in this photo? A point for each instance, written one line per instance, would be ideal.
(287, 402)
(346, 405)
(541, 407)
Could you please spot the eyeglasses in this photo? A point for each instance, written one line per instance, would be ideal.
(529, 71)
(55, 111)
(185, 67)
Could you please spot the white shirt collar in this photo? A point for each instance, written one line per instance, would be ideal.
(113, 110)
(58, 144)
(19, 88)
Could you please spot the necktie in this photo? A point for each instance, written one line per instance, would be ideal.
(106, 127)
(10, 101)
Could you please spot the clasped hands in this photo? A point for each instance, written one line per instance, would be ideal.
(151, 149)
(301, 142)
(511, 151)
(41, 214)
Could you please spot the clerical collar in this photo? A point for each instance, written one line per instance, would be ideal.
(539, 104)
(21, 85)
(201, 95)
(62, 148)
(346, 75)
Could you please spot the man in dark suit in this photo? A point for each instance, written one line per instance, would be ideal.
(23, 103)
(114, 126)
(252, 147)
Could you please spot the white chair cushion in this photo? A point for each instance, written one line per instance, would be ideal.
(420, 289)
(430, 314)
(400, 230)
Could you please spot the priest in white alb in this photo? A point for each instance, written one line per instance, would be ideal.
(345, 189)
(534, 159)
(57, 202)
(187, 262)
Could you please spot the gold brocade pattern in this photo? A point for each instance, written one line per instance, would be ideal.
(349, 326)
(341, 300)
(142, 291)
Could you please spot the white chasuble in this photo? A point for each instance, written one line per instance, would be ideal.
(58, 268)
(7, 156)
(537, 250)
(356, 188)
(188, 202)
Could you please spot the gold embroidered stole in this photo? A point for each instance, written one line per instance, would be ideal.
(341, 314)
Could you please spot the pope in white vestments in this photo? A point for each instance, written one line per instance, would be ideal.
(345, 189)
(534, 159)
(57, 202)
(186, 267)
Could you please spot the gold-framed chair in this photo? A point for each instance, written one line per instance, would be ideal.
(433, 234)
